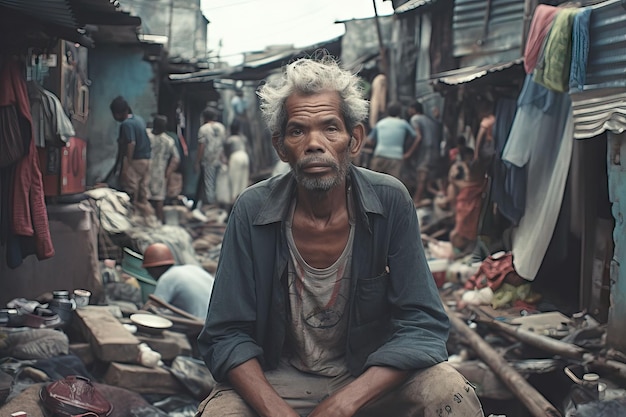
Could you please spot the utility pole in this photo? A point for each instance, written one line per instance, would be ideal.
(169, 30)
(381, 45)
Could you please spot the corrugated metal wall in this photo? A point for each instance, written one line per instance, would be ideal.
(601, 105)
(502, 39)
(607, 47)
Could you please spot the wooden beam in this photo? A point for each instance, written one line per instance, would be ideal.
(526, 393)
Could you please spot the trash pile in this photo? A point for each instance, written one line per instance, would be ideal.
(123, 350)
(98, 359)
(525, 357)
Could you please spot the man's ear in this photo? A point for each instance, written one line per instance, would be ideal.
(280, 149)
(357, 139)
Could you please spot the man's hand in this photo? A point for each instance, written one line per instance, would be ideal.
(337, 405)
(368, 387)
(250, 383)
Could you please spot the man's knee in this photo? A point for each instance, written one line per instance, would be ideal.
(444, 391)
(224, 402)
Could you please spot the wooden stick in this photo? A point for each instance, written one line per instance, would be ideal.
(546, 343)
(162, 303)
(526, 393)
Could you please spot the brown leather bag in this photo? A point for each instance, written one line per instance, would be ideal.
(74, 396)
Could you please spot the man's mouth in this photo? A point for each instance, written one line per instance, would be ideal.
(316, 166)
(313, 168)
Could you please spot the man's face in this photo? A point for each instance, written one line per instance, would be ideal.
(316, 143)
(120, 117)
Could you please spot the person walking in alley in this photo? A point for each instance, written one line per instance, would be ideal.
(134, 153)
(236, 151)
(394, 140)
(426, 156)
(165, 160)
(211, 136)
(323, 302)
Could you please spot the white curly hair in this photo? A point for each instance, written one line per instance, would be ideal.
(310, 76)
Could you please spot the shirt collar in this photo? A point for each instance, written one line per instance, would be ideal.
(283, 188)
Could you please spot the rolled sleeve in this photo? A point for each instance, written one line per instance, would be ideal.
(227, 338)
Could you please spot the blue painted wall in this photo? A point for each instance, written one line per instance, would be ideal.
(616, 337)
(115, 70)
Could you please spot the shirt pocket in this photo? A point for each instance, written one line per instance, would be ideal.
(371, 298)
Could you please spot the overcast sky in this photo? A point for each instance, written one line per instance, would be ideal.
(251, 25)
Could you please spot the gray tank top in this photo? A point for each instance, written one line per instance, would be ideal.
(318, 301)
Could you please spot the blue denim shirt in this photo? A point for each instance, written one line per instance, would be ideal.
(396, 317)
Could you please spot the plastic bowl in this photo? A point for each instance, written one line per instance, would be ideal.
(150, 323)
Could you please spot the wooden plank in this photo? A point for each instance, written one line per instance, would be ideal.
(109, 339)
(143, 380)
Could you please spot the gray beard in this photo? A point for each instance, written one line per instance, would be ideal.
(322, 184)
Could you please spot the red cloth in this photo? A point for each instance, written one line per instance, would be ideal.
(468, 204)
(452, 154)
(539, 28)
(29, 213)
(492, 272)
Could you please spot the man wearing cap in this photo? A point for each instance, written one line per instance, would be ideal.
(187, 287)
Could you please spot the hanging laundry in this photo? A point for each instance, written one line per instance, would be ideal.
(580, 49)
(552, 70)
(24, 213)
(51, 126)
(15, 126)
(539, 28)
(541, 140)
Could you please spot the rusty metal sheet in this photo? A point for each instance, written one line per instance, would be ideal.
(500, 40)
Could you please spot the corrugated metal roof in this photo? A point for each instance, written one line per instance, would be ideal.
(465, 75)
(259, 68)
(413, 5)
(102, 12)
(55, 12)
(599, 110)
(67, 18)
(476, 46)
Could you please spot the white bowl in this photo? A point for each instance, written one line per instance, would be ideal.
(150, 323)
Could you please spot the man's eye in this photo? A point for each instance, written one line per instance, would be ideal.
(295, 132)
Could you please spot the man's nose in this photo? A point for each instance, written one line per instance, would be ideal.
(316, 142)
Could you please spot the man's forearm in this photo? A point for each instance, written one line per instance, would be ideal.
(250, 383)
(200, 153)
(130, 150)
(171, 167)
(413, 147)
(373, 383)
